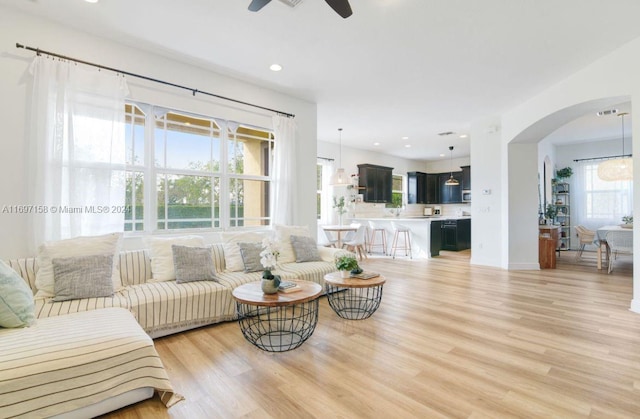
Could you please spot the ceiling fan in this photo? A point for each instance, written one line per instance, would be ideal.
(341, 7)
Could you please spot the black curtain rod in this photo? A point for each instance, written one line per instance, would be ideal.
(38, 51)
(604, 158)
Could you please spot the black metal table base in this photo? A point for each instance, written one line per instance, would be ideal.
(278, 329)
(354, 303)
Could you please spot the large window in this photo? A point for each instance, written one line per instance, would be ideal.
(397, 192)
(188, 171)
(600, 202)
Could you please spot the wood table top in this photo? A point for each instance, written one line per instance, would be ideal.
(334, 278)
(252, 294)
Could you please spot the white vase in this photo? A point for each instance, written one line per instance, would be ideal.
(345, 274)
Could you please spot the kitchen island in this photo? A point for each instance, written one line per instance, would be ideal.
(423, 243)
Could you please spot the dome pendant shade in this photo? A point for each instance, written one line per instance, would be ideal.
(616, 169)
(451, 181)
(620, 168)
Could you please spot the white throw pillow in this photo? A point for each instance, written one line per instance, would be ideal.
(283, 236)
(232, 256)
(161, 254)
(107, 244)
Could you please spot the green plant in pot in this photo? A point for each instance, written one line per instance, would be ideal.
(269, 260)
(551, 212)
(345, 264)
(564, 173)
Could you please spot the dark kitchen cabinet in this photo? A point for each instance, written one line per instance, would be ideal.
(375, 182)
(450, 194)
(436, 238)
(416, 188)
(432, 189)
(455, 234)
(466, 178)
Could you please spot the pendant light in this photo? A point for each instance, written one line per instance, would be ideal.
(451, 181)
(339, 178)
(620, 168)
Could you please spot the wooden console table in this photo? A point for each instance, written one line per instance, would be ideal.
(547, 244)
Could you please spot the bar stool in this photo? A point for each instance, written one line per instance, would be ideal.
(383, 237)
(406, 233)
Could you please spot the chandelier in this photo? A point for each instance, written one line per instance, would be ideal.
(620, 168)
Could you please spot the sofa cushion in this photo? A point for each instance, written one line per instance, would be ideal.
(83, 277)
(16, 299)
(46, 307)
(250, 253)
(232, 255)
(162, 268)
(193, 264)
(78, 246)
(305, 248)
(283, 236)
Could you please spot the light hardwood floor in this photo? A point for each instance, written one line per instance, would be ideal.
(449, 340)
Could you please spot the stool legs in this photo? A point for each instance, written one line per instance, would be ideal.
(407, 243)
(383, 240)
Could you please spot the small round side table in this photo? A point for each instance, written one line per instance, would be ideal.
(277, 322)
(353, 298)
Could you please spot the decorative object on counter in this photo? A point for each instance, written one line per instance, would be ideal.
(551, 212)
(620, 167)
(269, 259)
(451, 181)
(346, 264)
(396, 211)
(339, 178)
(340, 206)
(628, 221)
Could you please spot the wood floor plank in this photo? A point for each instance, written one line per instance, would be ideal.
(449, 340)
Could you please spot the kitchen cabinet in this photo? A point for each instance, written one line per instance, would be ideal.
(416, 188)
(450, 194)
(456, 234)
(375, 182)
(436, 238)
(432, 188)
(466, 178)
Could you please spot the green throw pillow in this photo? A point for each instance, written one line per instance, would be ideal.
(16, 299)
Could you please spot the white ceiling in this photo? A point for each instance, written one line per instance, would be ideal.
(395, 68)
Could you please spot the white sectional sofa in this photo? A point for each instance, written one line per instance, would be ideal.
(160, 307)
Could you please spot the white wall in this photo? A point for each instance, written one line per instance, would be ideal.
(14, 85)
(610, 80)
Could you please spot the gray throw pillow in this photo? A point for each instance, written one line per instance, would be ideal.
(193, 264)
(305, 248)
(250, 253)
(82, 277)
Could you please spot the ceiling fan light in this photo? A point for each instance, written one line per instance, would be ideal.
(616, 169)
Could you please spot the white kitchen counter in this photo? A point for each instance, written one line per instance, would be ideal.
(420, 227)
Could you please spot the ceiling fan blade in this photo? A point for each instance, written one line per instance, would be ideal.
(341, 7)
(258, 4)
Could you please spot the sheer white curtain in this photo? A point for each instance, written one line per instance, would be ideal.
(77, 150)
(326, 198)
(284, 183)
(597, 202)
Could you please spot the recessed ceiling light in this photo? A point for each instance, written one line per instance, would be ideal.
(441, 155)
(407, 146)
(405, 138)
(91, 1)
(275, 67)
(463, 135)
(376, 143)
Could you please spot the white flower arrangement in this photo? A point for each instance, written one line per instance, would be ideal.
(269, 254)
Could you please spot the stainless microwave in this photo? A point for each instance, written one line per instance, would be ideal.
(466, 196)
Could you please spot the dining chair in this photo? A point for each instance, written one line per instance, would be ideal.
(325, 238)
(357, 243)
(618, 242)
(585, 237)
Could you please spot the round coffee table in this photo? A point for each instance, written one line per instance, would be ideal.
(353, 298)
(277, 322)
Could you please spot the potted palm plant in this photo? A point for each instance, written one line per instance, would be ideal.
(345, 264)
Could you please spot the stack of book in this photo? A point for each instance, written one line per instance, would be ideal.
(288, 286)
(365, 275)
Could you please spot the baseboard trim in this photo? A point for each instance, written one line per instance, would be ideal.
(635, 306)
(524, 267)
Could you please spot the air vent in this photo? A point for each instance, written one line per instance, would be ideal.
(444, 134)
(292, 3)
(607, 112)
